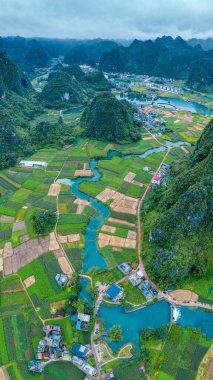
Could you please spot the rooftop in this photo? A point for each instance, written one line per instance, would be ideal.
(113, 291)
(79, 350)
(29, 162)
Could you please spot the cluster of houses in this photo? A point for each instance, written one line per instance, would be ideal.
(149, 119)
(164, 87)
(48, 348)
(137, 279)
(115, 293)
(80, 356)
(81, 321)
(162, 176)
(51, 347)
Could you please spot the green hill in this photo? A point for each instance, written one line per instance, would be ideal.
(110, 119)
(11, 78)
(164, 57)
(17, 107)
(181, 243)
(62, 90)
(95, 81)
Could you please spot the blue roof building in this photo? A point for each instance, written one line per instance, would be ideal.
(114, 292)
(74, 318)
(79, 350)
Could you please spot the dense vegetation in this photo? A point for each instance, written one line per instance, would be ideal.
(88, 51)
(166, 57)
(108, 118)
(181, 235)
(17, 107)
(115, 334)
(61, 90)
(44, 222)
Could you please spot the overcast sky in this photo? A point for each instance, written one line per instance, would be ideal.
(106, 18)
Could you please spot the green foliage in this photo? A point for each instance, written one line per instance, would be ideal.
(108, 118)
(164, 57)
(181, 235)
(115, 334)
(43, 223)
(61, 91)
(46, 134)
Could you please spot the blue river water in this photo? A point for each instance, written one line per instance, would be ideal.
(92, 256)
(152, 316)
(173, 103)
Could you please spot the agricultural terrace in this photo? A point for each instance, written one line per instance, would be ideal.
(181, 353)
(20, 329)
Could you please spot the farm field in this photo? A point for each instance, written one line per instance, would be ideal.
(188, 346)
(45, 289)
(20, 330)
(62, 371)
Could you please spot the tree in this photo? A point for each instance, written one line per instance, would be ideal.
(144, 353)
(161, 332)
(145, 333)
(44, 222)
(115, 334)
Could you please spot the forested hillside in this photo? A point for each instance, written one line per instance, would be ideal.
(61, 90)
(108, 118)
(181, 237)
(166, 57)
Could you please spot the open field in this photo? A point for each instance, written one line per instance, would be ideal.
(45, 289)
(188, 347)
(62, 371)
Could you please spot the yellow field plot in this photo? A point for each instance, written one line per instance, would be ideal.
(73, 237)
(29, 281)
(81, 203)
(83, 172)
(4, 374)
(132, 235)
(184, 150)
(105, 195)
(64, 265)
(106, 228)
(1, 260)
(8, 250)
(53, 242)
(63, 239)
(120, 221)
(54, 189)
(121, 202)
(184, 295)
(129, 177)
(115, 241)
(69, 238)
(148, 138)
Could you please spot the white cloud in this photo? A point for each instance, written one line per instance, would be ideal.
(106, 18)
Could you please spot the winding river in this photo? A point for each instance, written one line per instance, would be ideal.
(173, 103)
(152, 316)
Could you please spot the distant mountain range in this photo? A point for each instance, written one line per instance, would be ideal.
(206, 44)
(190, 60)
(37, 52)
(164, 57)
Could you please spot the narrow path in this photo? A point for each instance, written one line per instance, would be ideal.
(141, 266)
(86, 276)
(153, 136)
(25, 289)
(12, 291)
(55, 229)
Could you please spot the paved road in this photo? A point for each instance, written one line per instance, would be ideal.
(166, 296)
